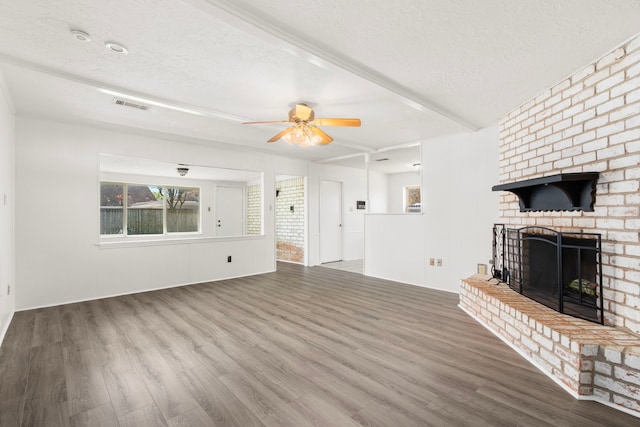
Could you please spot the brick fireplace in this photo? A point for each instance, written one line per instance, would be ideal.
(588, 122)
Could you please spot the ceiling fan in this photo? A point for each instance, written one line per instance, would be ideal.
(305, 130)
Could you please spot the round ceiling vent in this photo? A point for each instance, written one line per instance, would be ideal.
(81, 35)
(116, 48)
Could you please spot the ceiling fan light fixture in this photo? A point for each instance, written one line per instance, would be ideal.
(305, 130)
(182, 171)
(302, 135)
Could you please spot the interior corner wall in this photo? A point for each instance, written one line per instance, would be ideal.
(354, 187)
(7, 180)
(396, 184)
(459, 207)
(57, 221)
(459, 210)
(378, 192)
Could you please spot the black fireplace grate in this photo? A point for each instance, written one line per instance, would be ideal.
(558, 269)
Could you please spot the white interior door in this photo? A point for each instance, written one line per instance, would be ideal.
(229, 211)
(330, 221)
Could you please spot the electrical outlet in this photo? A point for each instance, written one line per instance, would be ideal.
(432, 262)
(8, 289)
(439, 262)
(229, 258)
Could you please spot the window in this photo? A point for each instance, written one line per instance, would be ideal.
(183, 209)
(144, 210)
(111, 207)
(145, 199)
(150, 209)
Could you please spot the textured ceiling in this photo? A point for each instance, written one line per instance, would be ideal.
(410, 69)
(474, 59)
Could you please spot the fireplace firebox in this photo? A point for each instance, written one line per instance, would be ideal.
(560, 270)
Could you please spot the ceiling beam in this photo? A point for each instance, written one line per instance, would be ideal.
(252, 22)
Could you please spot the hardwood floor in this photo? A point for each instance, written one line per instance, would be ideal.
(299, 347)
(353, 266)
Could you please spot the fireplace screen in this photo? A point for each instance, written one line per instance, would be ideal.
(560, 270)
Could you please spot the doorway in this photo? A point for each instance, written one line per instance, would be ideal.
(290, 218)
(229, 211)
(330, 221)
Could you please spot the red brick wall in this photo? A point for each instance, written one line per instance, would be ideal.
(589, 122)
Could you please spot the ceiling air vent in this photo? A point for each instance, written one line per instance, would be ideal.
(125, 103)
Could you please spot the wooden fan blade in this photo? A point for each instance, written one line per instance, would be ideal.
(303, 112)
(281, 134)
(265, 123)
(326, 139)
(337, 122)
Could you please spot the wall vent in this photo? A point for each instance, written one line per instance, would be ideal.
(125, 103)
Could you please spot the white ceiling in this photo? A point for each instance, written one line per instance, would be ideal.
(410, 69)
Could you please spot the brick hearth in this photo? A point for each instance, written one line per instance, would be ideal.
(589, 360)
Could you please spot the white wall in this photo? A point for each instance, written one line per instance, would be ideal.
(459, 210)
(7, 250)
(394, 247)
(459, 207)
(57, 227)
(378, 192)
(354, 187)
(397, 182)
(57, 259)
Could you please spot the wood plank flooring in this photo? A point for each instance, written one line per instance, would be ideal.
(353, 266)
(298, 347)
